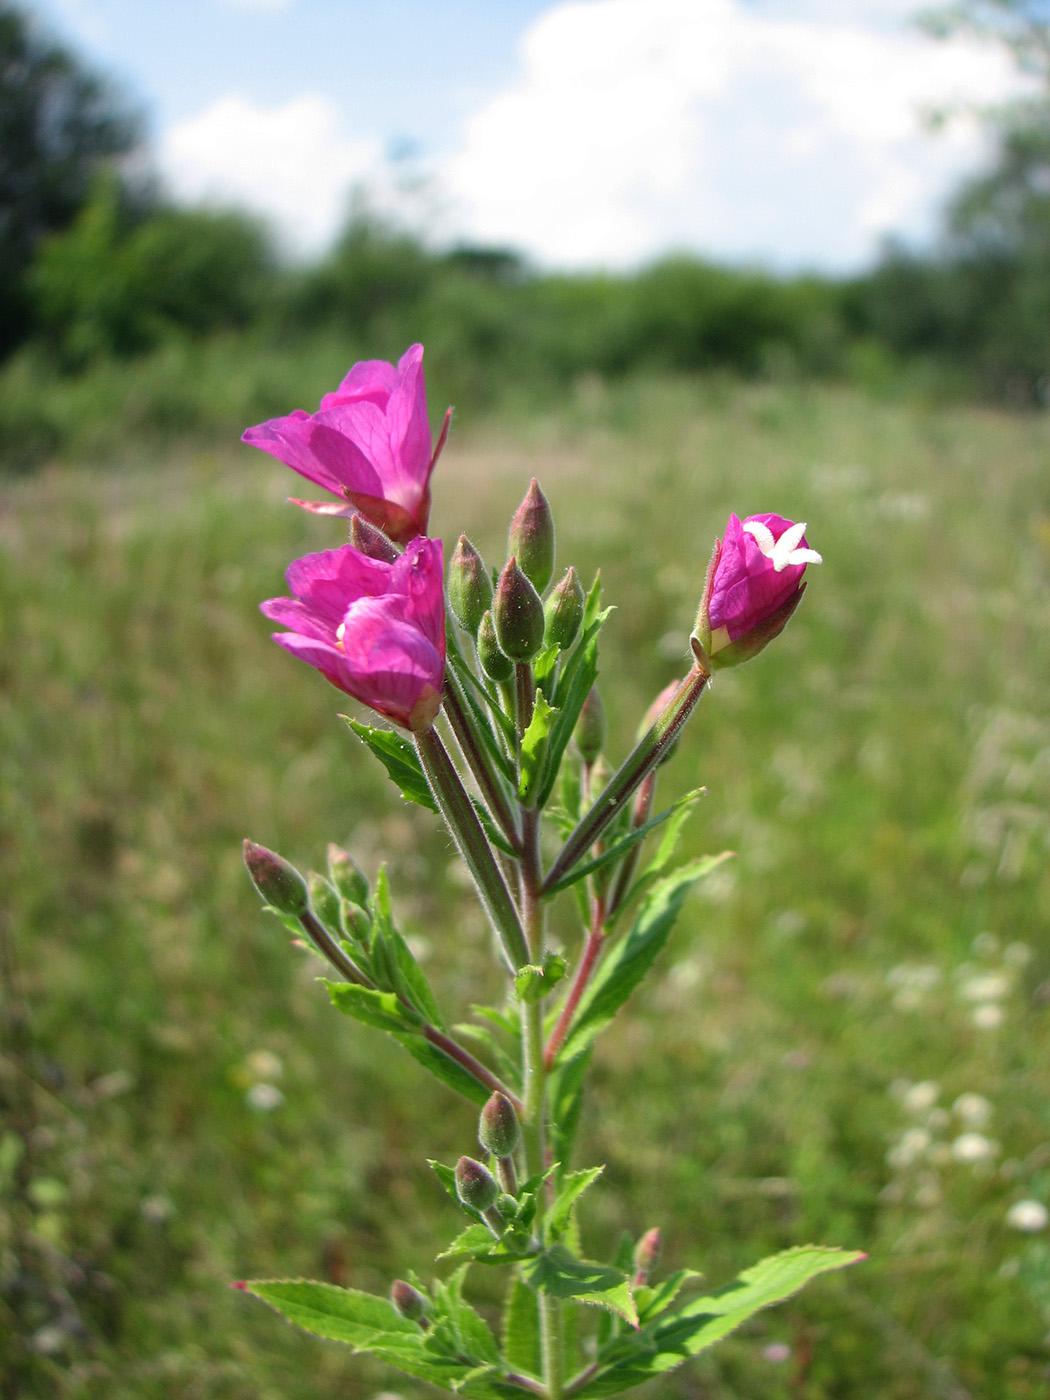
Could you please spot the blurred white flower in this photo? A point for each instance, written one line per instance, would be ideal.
(985, 986)
(909, 1148)
(265, 1097)
(973, 1147)
(1028, 1216)
(985, 945)
(922, 1096)
(988, 1017)
(1017, 955)
(973, 1109)
(264, 1064)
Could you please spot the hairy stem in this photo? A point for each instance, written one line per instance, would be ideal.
(588, 961)
(488, 780)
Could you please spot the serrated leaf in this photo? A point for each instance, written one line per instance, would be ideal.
(532, 983)
(562, 1275)
(340, 1314)
(473, 1242)
(399, 758)
(572, 1188)
(544, 666)
(632, 956)
(450, 1072)
(534, 745)
(414, 983)
(620, 848)
(473, 1336)
(654, 1299)
(696, 1325)
(371, 1006)
(521, 1330)
(565, 1089)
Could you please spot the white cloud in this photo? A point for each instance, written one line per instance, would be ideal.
(790, 132)
(292, 163)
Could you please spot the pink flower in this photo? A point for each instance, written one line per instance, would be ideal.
(368, 443)
(754, 583)
(374, 629)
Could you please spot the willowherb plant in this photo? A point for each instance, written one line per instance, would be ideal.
(511, 675)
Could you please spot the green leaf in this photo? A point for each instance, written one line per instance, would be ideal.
(654, 1299)
(565, 1089)
(681, 807)
(340, 1314)
(506, 1068)
(562, 1275)
(399, 758)
(473, 1337)
(472, 688)
(449, 1071)
(574, 685)
(572, 1188)
(533, 983)
(544, 666)
(633, 955)
(521, 1330)
(689, 1329)
(534, 745)
(371, 1006)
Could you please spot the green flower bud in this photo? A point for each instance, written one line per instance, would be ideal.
(475, 1185)
(496, 666)
(279, 883)
(409, 1301)
(355, 922)
(368, 539)
(647, 1251)
(498, 1129)
(531, 538)
(324, 900)
(563, 612)
(346, 875)
(469, 586)
(518, 614)
(590, 727)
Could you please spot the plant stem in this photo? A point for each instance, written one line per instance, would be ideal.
(462, 822)
(591, 951)
(552, 1345)
(646, 754)
(330, 949)
(465, 729)
(475, 1068)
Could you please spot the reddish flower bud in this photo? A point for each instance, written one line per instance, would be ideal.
(368, 539)
(279, 883)
(469, 586)
(409, 1301)
(518, 614)
(498, 1128)
(475, 1185)
(754, 584)
(563, 612)
(497, 667)
(648, 1250)
(531, 538)
(346, 875)
(590, 727)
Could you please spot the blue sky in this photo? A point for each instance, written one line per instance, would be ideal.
(588, 133)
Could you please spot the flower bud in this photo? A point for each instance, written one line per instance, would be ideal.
(590, 727)
(754, 584)
(409, 1301)
(648, 1250)
(368, 539)
(346, 875)
(518, 614)
(498, 1128)
(531, 538)
(324, 901)
(355, 922)
(279, 883)
(469, 586)
(563, 612)
(496, 666)
(475, 1185)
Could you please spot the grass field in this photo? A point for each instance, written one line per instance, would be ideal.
(849, 1040)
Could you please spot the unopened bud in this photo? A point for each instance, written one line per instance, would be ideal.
(355, 922)
(324, 900)
(469, 586)
(531, 538)
(346, 875)
(496, 666)
(409, 1301)
(648, 1250)
(475, 1185)
(518, 614)
(368, 539)
(279, 883)
(498, 1129)
(563, 612)
(590, 727)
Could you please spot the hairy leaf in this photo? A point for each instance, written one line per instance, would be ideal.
(399, 758)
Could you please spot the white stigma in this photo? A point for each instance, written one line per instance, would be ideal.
(339, 633)
(784, 551)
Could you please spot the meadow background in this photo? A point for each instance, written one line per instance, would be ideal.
(848, 1040)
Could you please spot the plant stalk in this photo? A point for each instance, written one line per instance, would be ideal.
(465, 729)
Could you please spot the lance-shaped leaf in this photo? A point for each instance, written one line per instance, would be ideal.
(632, 956)
(685, 1331)
(618, 849)
(521, 1330)
(572, 1188)
(533, 982)
(565, 1087)
(534, 745)
(562, 1275)
(398, 756)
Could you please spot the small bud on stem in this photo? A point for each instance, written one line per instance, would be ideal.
(494, 663)
(475, 1185)
(469, 586)
(590, 727)
(498, 1129)
(368, 539)
(647, 1255)
(409, 1301)
(563, 612)
(279, 883)
(518, 614)
(531, 537)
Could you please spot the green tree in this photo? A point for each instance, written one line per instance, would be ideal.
(58, 123)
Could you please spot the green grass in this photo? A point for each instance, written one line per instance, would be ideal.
(882, 772)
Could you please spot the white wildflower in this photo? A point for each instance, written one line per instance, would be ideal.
(1028, 1216)
(973, 1147)
(973, 1109)
(265, 1097)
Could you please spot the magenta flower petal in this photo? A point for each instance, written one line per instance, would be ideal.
(369, 443)
(375, 630)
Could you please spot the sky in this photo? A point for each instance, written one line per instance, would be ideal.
(795, 134)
